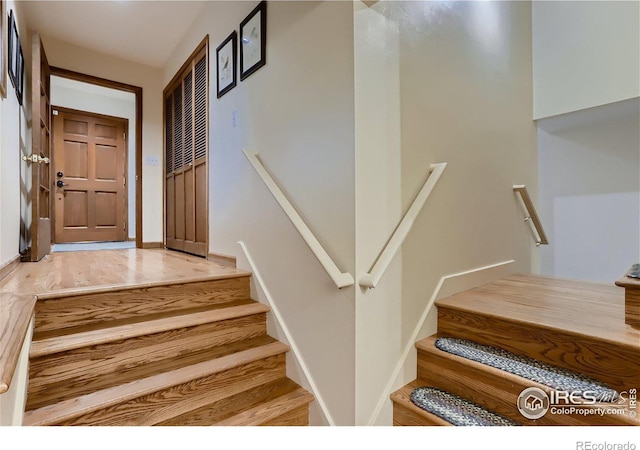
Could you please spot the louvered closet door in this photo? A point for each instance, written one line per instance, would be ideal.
(186, 121)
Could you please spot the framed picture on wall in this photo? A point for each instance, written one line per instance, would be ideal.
(227, 61)
(16, 58)
(3, 49)
(253, 41)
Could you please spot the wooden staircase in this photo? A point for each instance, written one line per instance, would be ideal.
(184, 353)
(577, 326)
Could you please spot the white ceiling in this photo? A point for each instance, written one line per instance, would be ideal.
(141, 31)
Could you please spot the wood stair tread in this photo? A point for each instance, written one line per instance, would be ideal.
(492, 388)
(74, 407)
(581, 308)
(416, 415)
(253, 407)
(74, 340)
(43, 392)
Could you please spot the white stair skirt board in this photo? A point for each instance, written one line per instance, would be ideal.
(84, 246)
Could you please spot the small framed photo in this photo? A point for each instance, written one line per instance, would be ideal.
(226, 55)
(253, 41)
(16, 59)
(3, 49)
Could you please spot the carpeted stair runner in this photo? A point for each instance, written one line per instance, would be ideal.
(455, 410)
(529, 368)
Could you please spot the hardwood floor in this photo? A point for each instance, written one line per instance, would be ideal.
(145, 337)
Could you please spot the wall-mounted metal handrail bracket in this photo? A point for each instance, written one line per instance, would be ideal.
(341, 279)
(371, 279)
(532, 215)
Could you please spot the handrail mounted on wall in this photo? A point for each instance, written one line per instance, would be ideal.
(371, 279)
(341, 279)
(532, 217)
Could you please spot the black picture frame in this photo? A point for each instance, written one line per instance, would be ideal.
(226, 64)
(16, 59)
(4, 60)
(253, 41)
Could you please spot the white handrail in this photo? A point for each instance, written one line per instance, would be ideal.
(341, 279)
(371, 279)
(532, 218)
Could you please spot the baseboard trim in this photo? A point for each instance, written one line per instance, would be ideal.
(222, 259)
(295, 351)
(446, 287)
(153, 245)
(9, 266)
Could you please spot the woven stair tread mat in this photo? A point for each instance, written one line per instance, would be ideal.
(529, 368)
(456, 410)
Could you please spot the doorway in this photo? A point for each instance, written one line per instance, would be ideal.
(90, 155)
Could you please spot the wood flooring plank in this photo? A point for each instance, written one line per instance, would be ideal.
(15, 315)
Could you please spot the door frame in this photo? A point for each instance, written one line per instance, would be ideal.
(137, 91)
(125, 121)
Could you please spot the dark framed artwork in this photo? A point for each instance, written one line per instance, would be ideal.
(3, 49)
(16, 59)
(253, 41)
(227, 62)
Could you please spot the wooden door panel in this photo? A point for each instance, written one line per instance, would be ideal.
(189, 207)
(40, 193)
(179, 206)
(91, 155)
(201, 202)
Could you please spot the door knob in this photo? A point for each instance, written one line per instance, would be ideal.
(60, 174)
(61, 183)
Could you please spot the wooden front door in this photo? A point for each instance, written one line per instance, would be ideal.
(90, 195)
(40, 229)
(186, 142)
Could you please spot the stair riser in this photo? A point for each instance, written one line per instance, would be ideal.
(493, 390)
(60, 376)
(162, 405)
(55, 315)
(298, 417)
(632, 307)
(616, 365)
(403, 416)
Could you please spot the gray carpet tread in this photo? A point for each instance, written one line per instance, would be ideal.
(456, 410)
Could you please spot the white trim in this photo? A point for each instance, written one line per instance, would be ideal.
(341, 279)
(371, 279)
(438, 292)
(289, 338)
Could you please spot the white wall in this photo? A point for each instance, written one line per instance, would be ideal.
(97, 99)
(590, 191)
(297, 112)
(461, 93)
(13, 144)
(585, 54)
(79, 59)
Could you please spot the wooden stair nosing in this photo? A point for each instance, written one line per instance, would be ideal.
(418, 416)
(73, 341)
(504, 384)
(108, 289)
(71, 408)
(270, 410)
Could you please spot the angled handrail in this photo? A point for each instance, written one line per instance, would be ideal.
(371, 279)
(341, 279)
(536, 225)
